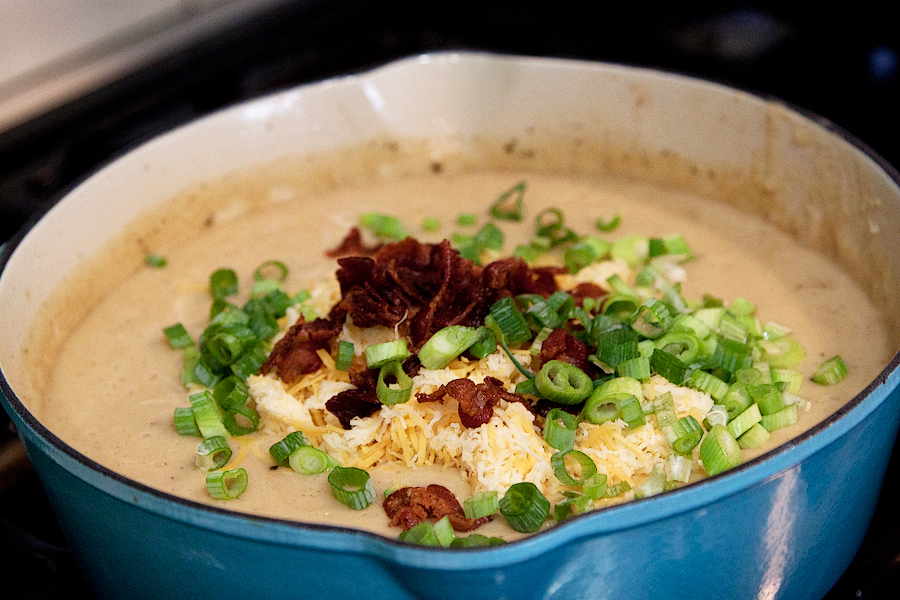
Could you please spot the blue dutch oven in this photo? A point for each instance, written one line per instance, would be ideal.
(784, 525)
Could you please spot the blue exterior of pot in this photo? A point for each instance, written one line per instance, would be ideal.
(783, 526)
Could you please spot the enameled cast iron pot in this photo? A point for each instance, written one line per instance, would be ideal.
(785, 525)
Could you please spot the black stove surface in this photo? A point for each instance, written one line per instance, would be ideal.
(841, 63)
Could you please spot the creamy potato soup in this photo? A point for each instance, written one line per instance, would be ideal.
(116, 382)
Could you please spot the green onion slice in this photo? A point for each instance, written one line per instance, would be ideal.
(185, 424)
(431, 224)
(248, 422)
(524, 507)
(466, 219)
(178, 336)
(156, 261)
(584, 463)
(687, 432)
(222, 283)
(563, 383)
(669, 366)
(481, 505)
(508, 206)
(652, 319)
(384, 226)
(213, 453)
(601, 408)
(831, 371)
(560, 428)
(719, 451)
(388, 394)
(379, 355)
(744, 421)
(476, 540)
(207, 415)
(226, 485)
(249, 363)
(654, 484)
(421, 534)
(271, 270)
(346, 351)
(445, 345)
(782, 353)
(485, 343)
(510, 321)
(307, 460)
(351, 487)
(594, 487)
(231, 392)
(281, 451)
(609, 225)
(755, 437)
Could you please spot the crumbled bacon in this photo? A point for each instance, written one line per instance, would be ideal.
(409, 506)
(423, 288)
(352, 403)
(352, 245)
(476, 401)
(295, 354)
(561, 345)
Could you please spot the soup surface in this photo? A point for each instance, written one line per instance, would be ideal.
(116, 382)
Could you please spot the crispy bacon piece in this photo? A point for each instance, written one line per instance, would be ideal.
(423, 288)
(295, 354)
(586, 290)
(352, 245)
(409, 506)
(560, 345)
(353, 403)
(476, 401)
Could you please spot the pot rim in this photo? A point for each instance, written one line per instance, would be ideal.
(328, 537)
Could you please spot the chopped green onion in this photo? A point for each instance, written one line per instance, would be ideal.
(618, 489)
(708, 383)
(226, 485)
(508, 206)
(231, 392)
(719, 451)
(481, 505)
(431, 224)
(652, 319)
(633, 249)
(491, 323)
(584, 463)
(791, 380)
(782, 353)
(538, 342)
(736, 400)
(686, 346)
(610, 224)
(510, 321)
(636, 368)
(528, 254)
(445, 345)
(307, 460)
(755, 437)
(185, 424)
(527, 387)
(384, 226)
(562, 382)
(668, 366)
(223, 283)
(443, 530)
(654, 484)
(178, 336)
(191, 356)
(155, 260)
(783, 418)
(212, 453)
(485, 343)
(345, 355)
(387, 394)
(744, 421)
(687, 433)
(263, 288)
(281, 451)
(249, 418)
(351, 487)
(679, 468)
(524, 507)
(594, 487)
(249, 363)
(579, 256)
(617, 345)
(476, 540)
(600, 408)
(560, 428)
(271, 270)
(379, 355)
(207, 414)
(664, 405)
(489, 237)
(768, 397)
(717, 415)
(466, 219)
(731, 355)
(571, 506)
(420, 534)
(831, 371)
(620, 305)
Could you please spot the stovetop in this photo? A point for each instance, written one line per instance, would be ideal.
(841, 63)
